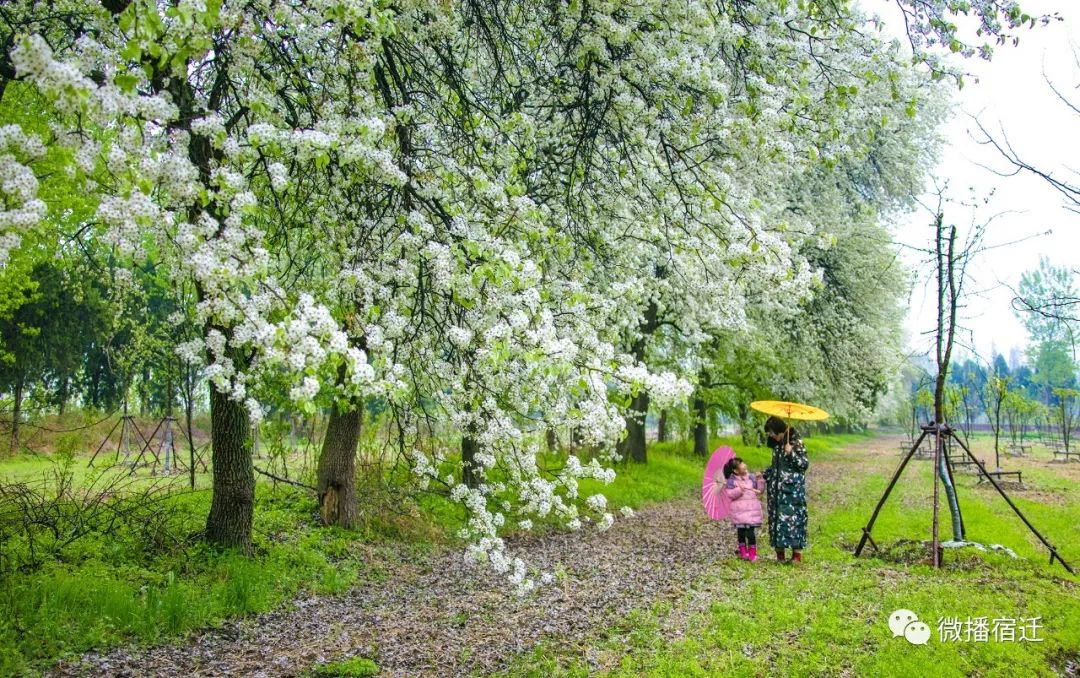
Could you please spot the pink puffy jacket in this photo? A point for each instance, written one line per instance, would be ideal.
(745, 504)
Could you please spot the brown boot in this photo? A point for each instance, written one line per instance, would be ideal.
(780, 556)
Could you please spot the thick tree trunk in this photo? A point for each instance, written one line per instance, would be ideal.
(336, 486)
(662, 427)
(701, 427)
(552, 439)
(16, 413)
(469, 476)
(232, 506)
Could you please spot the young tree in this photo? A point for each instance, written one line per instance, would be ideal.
(1052, 368)
(1065, 410)
(1044, 302)
(1019, 412)
(23, 360)
(994, 399)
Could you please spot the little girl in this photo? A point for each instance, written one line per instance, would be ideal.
(744, 491)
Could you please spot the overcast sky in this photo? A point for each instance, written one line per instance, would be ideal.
(1011, 97)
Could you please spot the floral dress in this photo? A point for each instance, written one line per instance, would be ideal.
(785, 481)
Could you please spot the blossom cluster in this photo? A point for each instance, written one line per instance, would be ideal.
(20, 207)
(496, 242)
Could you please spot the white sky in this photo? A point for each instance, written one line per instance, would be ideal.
(1010, 94)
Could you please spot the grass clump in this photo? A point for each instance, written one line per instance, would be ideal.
(354, 667)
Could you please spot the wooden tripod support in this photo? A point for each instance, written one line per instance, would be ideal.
(942, 432)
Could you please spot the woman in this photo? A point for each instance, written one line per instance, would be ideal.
(786, 488)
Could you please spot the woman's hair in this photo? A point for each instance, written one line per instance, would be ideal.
(775, 425)
(729, 468)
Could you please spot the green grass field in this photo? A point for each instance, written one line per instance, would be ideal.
(829, 616)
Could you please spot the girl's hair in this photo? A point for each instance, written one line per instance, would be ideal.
(775, 425)
(729, 468)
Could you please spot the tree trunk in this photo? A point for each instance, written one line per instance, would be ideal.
(231, 509)
(688, 431)
(189, 406)
(64, 394)
(701, 427)
(169, 395)
(144, 392)
(469, 476)
(748, 435)
(552, 441)
(997, 435)
(634, 445)
(336, 486)
(662, 427)
(16, 413)
(946, 316)
(945, 473)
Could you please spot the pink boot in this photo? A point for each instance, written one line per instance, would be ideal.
(753, 554)
(744, 554)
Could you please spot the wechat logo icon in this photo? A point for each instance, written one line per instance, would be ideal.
(906, 623)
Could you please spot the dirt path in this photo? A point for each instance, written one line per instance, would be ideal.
(438, 616)
(441, 617)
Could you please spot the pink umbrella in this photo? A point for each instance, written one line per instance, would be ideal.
(717, 504)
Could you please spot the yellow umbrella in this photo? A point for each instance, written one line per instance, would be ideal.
(785, 410)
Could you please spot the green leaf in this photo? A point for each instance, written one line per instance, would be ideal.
(132, 51)
(126, 82)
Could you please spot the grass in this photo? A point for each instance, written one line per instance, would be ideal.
(825, 618)
(829, 617)
(355, 667)
(103, 590)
